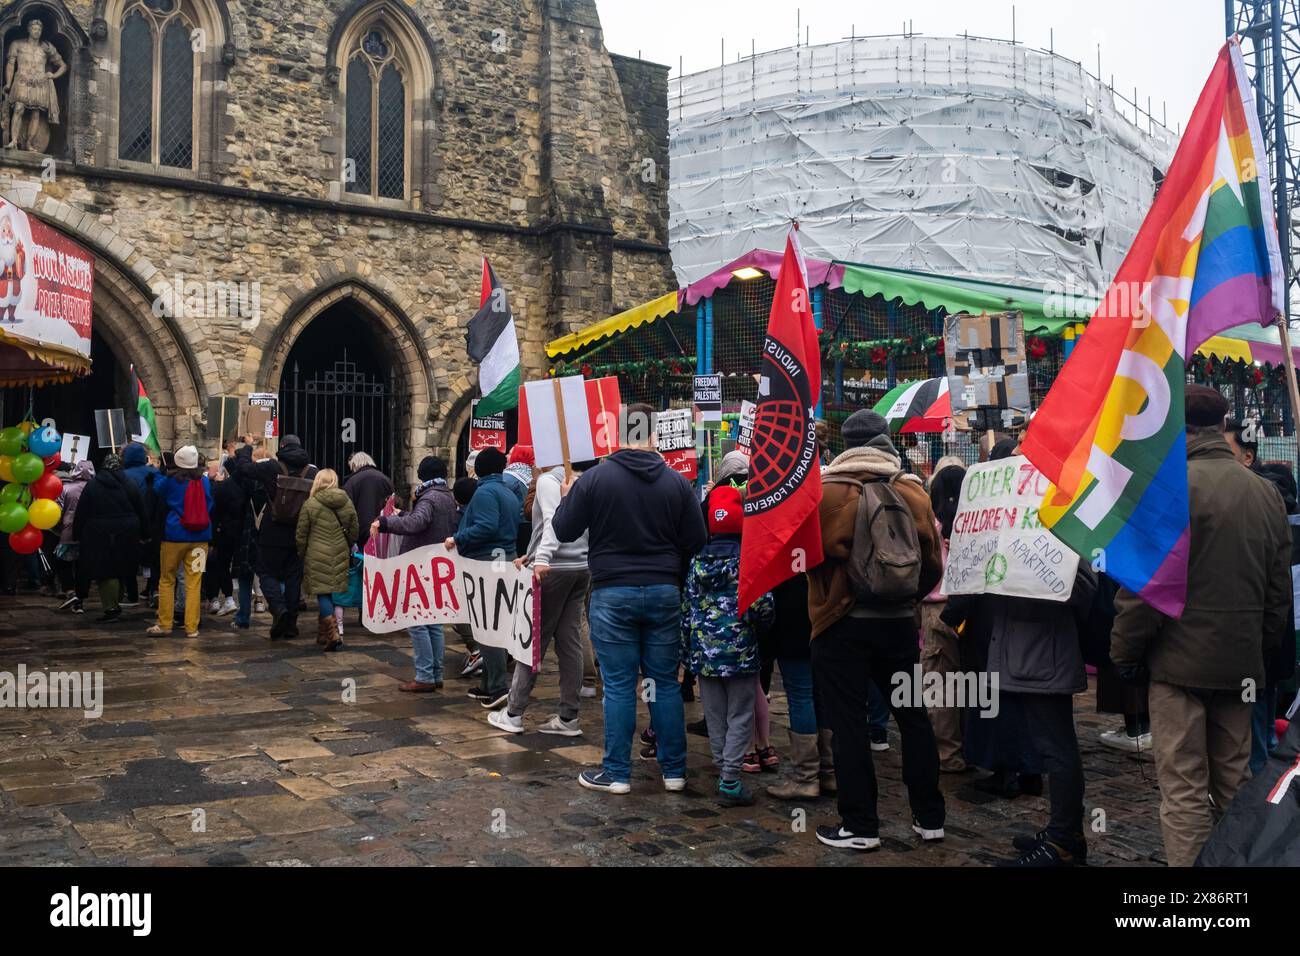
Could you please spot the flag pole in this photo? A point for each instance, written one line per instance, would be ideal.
(564, 430)
(1288, 362)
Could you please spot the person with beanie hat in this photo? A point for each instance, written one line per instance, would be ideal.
(520, 475)
(431, 520)
(488, 532)
(108, 525)
(859, 643)
(186, 494)
(278, 566)
(720, 642)
(1238, 598)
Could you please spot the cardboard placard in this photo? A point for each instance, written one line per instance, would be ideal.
(988, 375)
(75, 448)
(223, 418)
(262, 415)
(600, 410)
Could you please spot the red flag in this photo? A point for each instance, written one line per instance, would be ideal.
(782, 532)
(489, 283)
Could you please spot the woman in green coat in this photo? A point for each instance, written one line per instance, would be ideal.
(327, 526)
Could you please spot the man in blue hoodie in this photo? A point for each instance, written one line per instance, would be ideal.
(644, 525)
(488, 532)
(136, 467)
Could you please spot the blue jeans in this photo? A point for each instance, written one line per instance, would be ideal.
(1263, 729)
(427, 645)
(638, 629)
(797, 679)
(326, 604)
(245, 613)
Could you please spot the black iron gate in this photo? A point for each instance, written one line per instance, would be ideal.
(340, 409)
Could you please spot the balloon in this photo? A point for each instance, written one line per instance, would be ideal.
(11, 441)
(45, 441)
(7, 468)
(13, 517)
(26, 541)
(47, 486)
(52, 461)
(11, 493)
(28, 467)
(44, 514)
(27, 427)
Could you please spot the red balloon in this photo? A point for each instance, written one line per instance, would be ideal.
(52, 462)
(26, 541)
(46, 486)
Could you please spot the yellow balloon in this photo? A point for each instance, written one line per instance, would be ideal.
(6, 468)
(27, 427)
(44, 514)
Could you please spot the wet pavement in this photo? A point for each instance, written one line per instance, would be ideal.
(229, 750)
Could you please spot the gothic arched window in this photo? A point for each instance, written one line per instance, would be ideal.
(375, 118)
(159, 55)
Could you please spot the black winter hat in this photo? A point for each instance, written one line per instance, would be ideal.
(862, 426)
(432, 467)
(490, 461)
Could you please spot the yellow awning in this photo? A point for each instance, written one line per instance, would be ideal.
(640, 315)
(24, 362)
(1231, 350)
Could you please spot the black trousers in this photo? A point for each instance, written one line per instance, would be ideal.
(1050, 720)
(847, 657)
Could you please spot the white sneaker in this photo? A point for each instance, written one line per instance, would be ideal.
(214, 606)
(561, 728)
(230, 607)
(588, 692)
(1120, 740)
(674, 784)
(925, 834)
(502, 720)
(260, 606)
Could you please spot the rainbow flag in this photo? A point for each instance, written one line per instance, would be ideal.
(1109, 434)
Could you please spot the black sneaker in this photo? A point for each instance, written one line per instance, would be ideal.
(479, 694)
(647, 736)
(846, 840)
(700, 728)
(70, 603)
(77, 608)
(112, 614)
(649, 752)
(1045, 855)
(1028, 842)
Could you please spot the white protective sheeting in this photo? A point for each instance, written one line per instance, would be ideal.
(958, 156)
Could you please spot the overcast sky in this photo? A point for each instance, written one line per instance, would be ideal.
(1164, 47)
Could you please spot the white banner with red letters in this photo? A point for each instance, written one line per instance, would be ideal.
(435, 586)
(47, 283)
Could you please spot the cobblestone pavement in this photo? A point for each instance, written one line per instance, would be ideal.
(257, 735)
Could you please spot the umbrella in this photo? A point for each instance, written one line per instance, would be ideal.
(924, 406)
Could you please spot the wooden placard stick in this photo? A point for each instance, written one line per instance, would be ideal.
(564, 430)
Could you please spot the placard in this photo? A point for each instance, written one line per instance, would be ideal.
(998, 544)
(75, 448)
(745, 429)
(599, 407)
(708, 402)
(269, 404)
(988, 376)
(675, 440)
(486, 431)
(110, 428)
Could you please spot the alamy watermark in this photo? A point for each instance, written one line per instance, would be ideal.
(192, 298)
(76, 690)
(977, 690)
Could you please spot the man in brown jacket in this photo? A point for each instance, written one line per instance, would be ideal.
(855, 644)
(1206, 667)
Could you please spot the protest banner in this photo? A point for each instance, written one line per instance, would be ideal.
(988, 378)
(435, 586)
(486, 431)
(675, 440)
(745, 433)
(708, 401)
(999, 544)
(596, 402)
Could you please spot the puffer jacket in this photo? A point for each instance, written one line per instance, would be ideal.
(830, 594)
(327, 527)
(431, 520)
(1238, 582)
(80, 475)
(717, 641)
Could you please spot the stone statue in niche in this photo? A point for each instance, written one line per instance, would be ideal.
(31, 103)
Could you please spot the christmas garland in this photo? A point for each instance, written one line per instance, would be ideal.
(677, 366)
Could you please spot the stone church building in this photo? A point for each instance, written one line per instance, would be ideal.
(294, 197)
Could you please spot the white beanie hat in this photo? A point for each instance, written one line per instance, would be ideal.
(187, 457)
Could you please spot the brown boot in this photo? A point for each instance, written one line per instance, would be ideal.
(826, 768)
(327, 635)
(803, 784)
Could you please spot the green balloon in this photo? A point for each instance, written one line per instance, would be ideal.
(10, 493)
(13, 517)
(28, 467)
(12, 441)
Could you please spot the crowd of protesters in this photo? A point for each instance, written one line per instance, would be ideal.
(637, 566)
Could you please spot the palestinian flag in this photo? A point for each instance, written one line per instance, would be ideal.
(146, 432)
(924, 406)
(492, 343)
